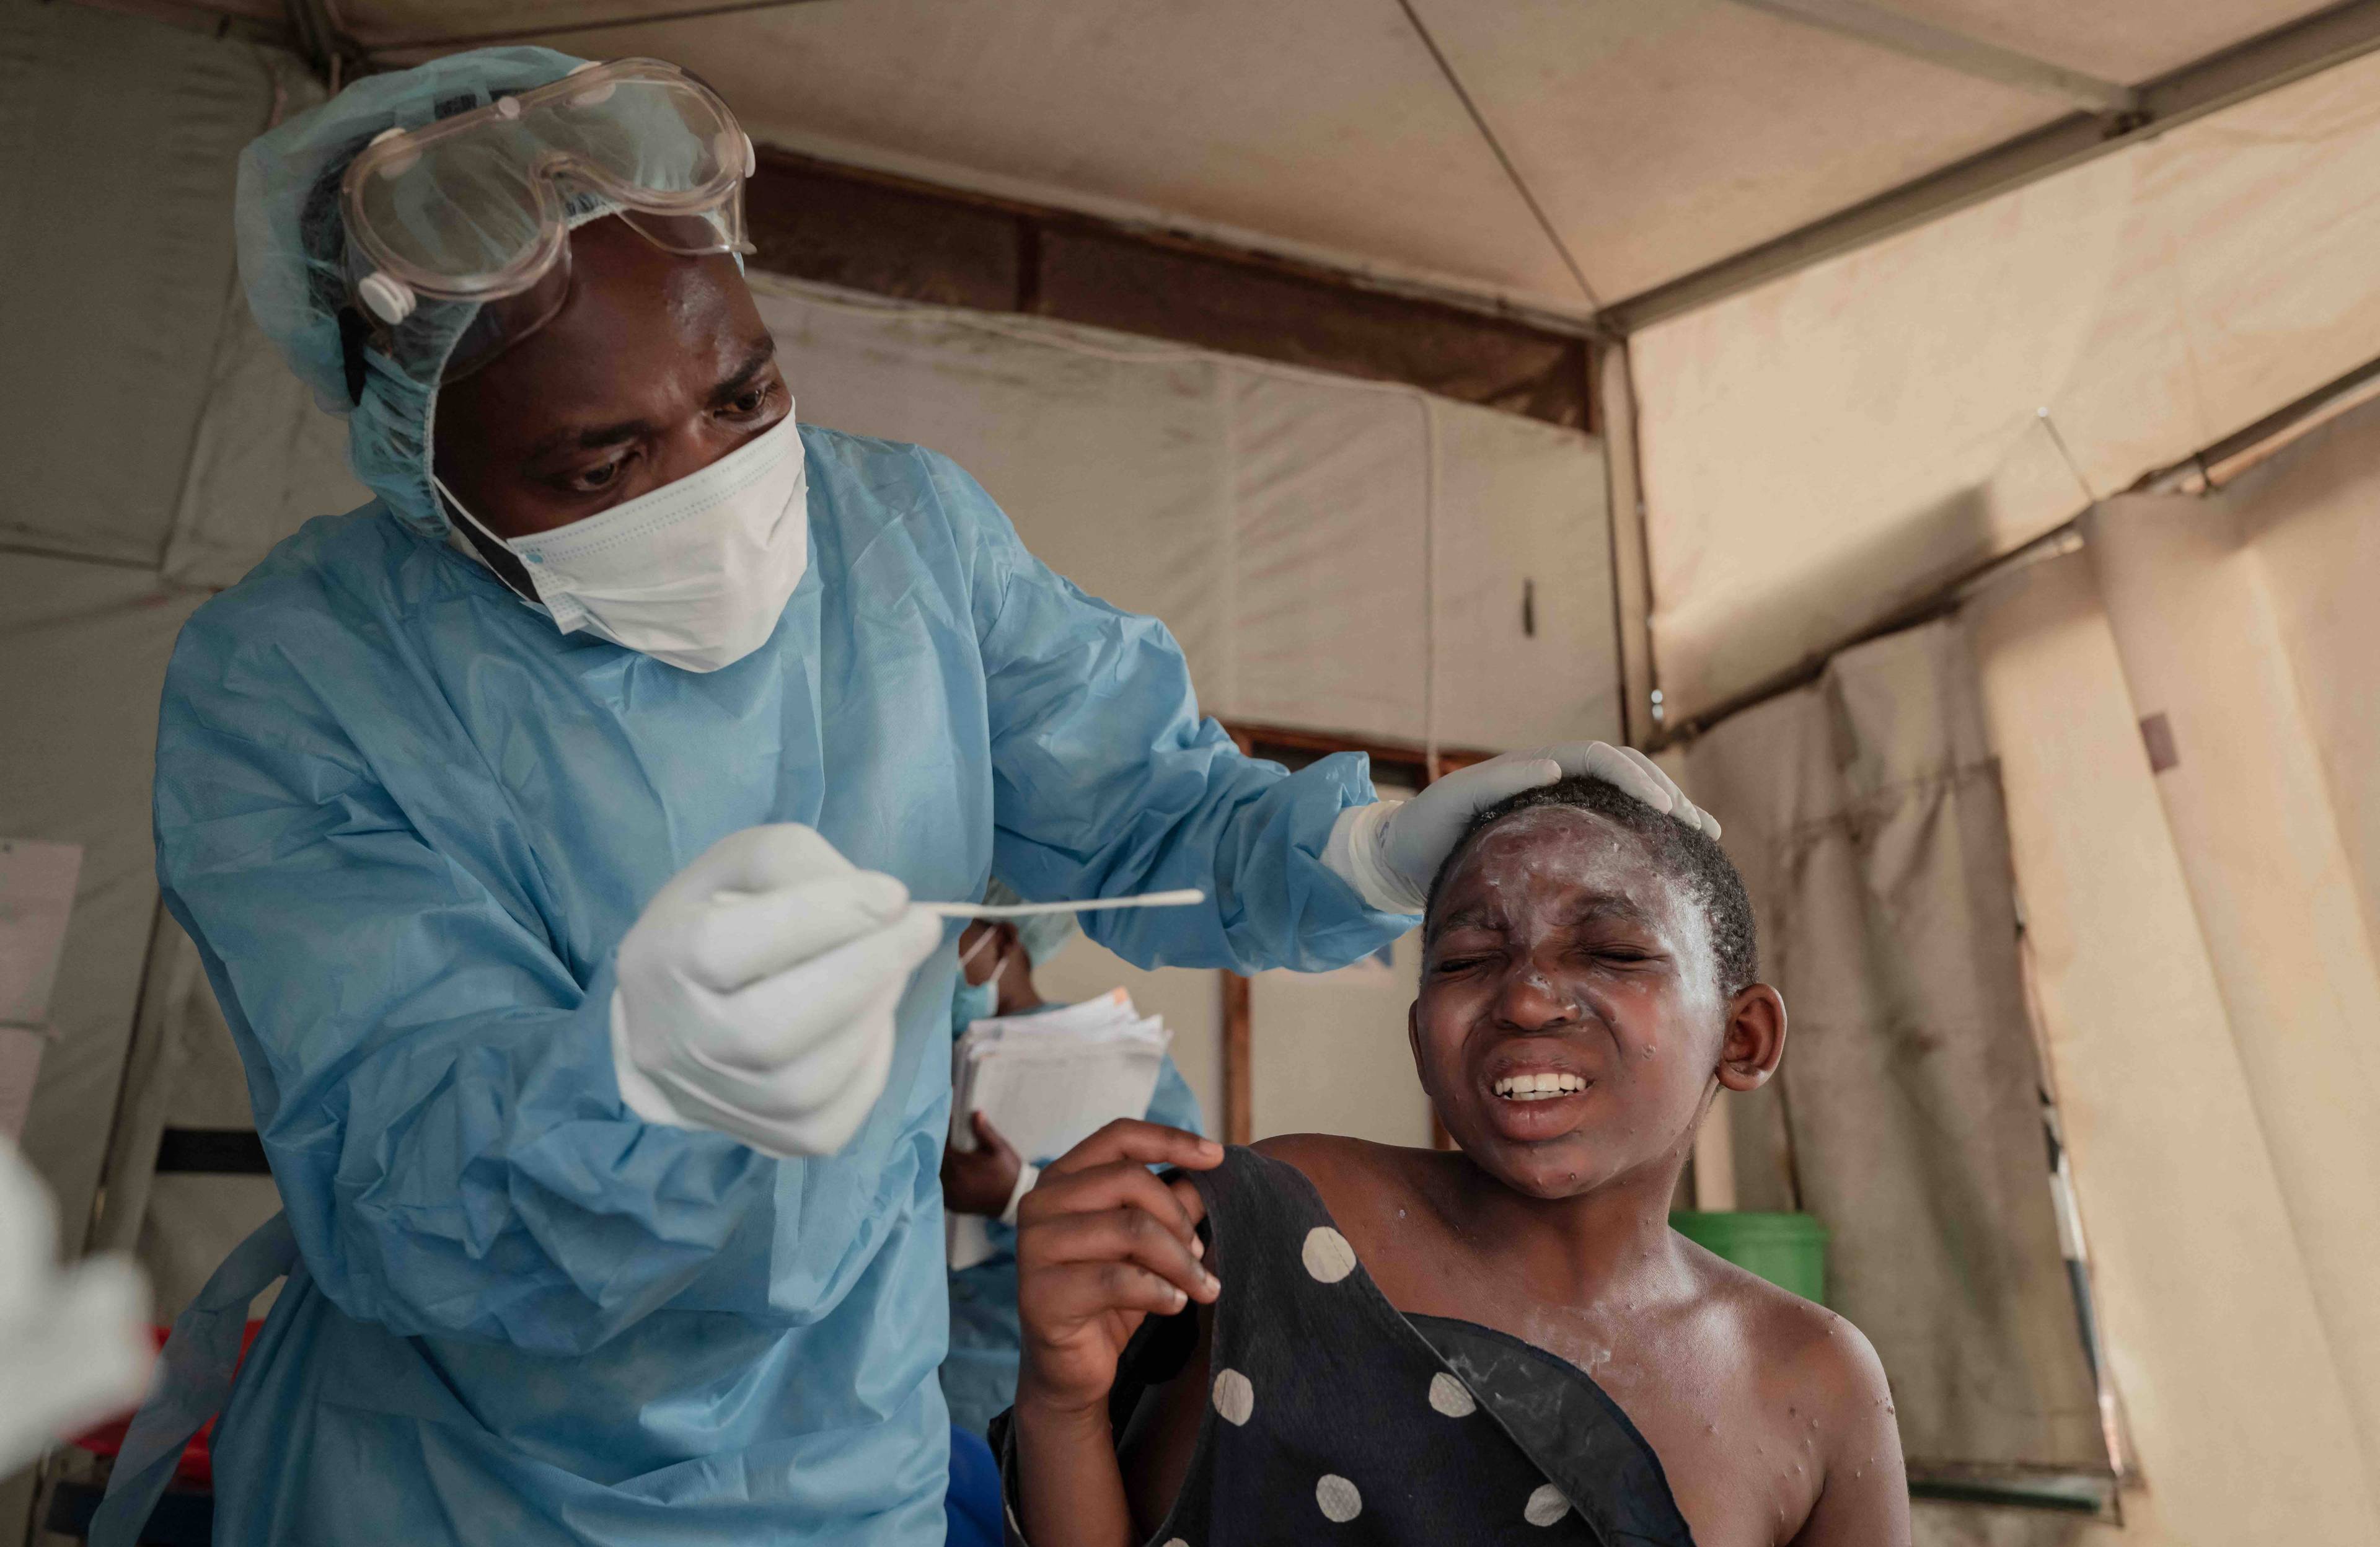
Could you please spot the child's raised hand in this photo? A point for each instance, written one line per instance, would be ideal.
(1101, 1244)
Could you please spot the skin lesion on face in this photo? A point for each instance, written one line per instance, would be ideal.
(1569, 1025)
(657, 366)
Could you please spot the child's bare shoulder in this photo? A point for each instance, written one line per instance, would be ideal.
(1356, 1177)
(1331, 1155)
(1814, 1379)
(1822, 1366)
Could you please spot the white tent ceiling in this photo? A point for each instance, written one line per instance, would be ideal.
(1558, 153)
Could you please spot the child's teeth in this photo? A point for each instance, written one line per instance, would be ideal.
(1537, 1086)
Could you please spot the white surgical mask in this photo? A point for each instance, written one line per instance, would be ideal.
(697, 572)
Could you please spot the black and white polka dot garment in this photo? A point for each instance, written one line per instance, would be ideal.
(1333, 1417)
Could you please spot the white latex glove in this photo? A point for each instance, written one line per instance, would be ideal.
(1390, 850)
(75, 1347)
(756, 993)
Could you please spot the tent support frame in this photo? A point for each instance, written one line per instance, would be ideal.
(2202, 472)
(1912, 38)
(2220, 81)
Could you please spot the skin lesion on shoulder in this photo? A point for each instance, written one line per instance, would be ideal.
(1827, 1376)
(1819, 1354)
(1834, 1357)
(1788, 1332)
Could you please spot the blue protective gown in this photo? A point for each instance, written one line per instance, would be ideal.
(407, 824)
(987, 1338)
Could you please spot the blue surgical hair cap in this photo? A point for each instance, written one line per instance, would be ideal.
(293, 263)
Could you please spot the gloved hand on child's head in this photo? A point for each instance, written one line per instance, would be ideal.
(1389, 851)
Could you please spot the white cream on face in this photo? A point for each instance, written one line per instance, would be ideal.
(1533, 858)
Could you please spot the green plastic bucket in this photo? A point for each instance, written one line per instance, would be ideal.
(1788, 1251)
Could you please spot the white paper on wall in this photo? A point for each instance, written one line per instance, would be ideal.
(20, 1065)
(37, 889)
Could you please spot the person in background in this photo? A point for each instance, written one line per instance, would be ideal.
(998, 960)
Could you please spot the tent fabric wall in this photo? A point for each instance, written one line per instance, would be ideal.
(1304, 536)
(2258, 668)
(119, 293)
(263, 461)
(1864, 811)
(1821, 449)
(2235, 1400)
(86, 647)
(183, 1072)
(117, 144)
(1329, 1053)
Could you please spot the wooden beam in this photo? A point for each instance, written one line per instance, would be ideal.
(1632, 559)
(1407, 761)
(898, 237)
(1238, 1087)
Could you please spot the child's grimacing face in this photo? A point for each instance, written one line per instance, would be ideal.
(1559, 949)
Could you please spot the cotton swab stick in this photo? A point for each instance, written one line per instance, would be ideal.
(1182, 898)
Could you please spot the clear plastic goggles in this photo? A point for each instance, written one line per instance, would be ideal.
(477, 207)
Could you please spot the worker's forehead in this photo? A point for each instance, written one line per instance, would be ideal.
(628, 298)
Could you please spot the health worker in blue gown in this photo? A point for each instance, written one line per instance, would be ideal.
(549, 828)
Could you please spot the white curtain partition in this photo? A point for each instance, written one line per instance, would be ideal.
(1825, 447)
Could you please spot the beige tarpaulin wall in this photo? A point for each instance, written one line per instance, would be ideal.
(1820, 449)
(2200, 897)
(119, 294)
(2201, 902)
(1307, 538)
(1866, 814)
(2238, 1416)
(2200, 612)
(2246, 622)
(116, 146)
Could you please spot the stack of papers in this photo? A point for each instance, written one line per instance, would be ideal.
(1048, 1081)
